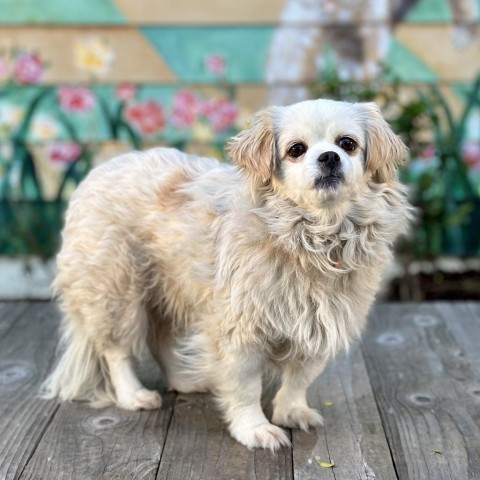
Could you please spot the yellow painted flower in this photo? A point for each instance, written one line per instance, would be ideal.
(44, 127)
(94, 55)
(202, 132)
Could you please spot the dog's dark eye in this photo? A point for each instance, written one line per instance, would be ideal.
(348, 144)
(297, 150)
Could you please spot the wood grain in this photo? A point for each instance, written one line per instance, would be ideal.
(10, 312)
(352, 436)
(412, 387)
(85, 443)
(26, 352)
(199, 447)
(423, 380)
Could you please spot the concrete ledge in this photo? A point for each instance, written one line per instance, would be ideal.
(25, 278)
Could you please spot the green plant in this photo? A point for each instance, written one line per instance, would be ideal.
(445, 194)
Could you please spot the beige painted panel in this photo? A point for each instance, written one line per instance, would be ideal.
(204, 12)
(435, 46)
(249, 97)
(123, 53)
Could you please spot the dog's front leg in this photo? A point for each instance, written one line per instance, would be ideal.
(238, 390)
(290, 407)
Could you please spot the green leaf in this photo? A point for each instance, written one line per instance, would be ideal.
(32, 107)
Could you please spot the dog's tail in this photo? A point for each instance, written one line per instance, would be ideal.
(80, 373)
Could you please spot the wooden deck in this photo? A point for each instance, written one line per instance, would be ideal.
(403, 404)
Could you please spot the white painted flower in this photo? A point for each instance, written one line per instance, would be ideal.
(10, 117)
(44, 127)
(94, 55)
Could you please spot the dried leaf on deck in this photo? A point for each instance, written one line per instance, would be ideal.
(325, 464)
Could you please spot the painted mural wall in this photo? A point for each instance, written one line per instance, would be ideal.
(81, 81)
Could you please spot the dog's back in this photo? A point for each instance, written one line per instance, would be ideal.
(127, 242)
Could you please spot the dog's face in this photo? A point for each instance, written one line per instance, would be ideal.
(320, 151)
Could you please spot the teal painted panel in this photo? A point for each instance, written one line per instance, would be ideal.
(186, 49)
(430, 11)
(15, 12)
(406, 67)
(461, 89)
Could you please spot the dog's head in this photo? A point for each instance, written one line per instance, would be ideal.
(319, 150)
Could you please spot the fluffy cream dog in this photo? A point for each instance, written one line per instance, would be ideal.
(227, 271)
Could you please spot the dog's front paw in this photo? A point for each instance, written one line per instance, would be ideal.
(142, 399)
(297, 417)
(264, 435)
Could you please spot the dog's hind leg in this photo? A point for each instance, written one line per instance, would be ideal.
(129, 392)
(98, 343)
(124, 340)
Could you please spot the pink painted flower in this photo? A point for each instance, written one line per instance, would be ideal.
(471, 154)
(147, 117)
(126, 92)
(76, 99)
(222, 114)
(185, 109)
(206, 108)
(28, 69)
(216, 64)
(64, 153)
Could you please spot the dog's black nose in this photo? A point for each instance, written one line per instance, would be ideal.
(330, 159)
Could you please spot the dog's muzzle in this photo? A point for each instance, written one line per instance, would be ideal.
(331, 175)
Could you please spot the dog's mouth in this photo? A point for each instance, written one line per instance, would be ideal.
(329, 182)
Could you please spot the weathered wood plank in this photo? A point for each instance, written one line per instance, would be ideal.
(463, 321)
(10, 312)
(86, 443)
(26, 352)
(199, 447)
(83, 443)
(352, 436)
(424, 367)
(422, 379)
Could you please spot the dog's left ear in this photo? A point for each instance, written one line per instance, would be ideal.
(254, 149)
(385, 151)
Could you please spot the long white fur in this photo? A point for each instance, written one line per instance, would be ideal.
(227, 271)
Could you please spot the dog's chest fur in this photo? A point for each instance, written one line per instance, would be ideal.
(270, 277)
(295, 301)
(275, 294)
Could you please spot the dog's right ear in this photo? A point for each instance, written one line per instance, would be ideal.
(254, 149)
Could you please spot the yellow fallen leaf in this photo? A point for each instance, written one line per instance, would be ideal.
(325, 464)
(439, 452)
(328, 404)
